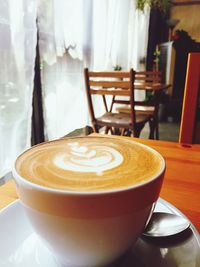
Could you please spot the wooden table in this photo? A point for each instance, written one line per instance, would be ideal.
(151, 86)
(181, 183)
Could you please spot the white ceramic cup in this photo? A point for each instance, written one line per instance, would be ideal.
(89, 228)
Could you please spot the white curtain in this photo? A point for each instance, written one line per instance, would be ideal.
(99, 34)
(61, 43)
(138, 37)
(138, 41)
(17, 53)
(73, 34)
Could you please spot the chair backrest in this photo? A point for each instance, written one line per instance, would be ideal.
(146, 79)
(190, 121)
(148, 76)
(113, 83)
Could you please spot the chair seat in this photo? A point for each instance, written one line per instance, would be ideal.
(149, 109)
(121, 119)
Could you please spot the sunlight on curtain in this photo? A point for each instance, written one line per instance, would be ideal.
(138, 41)
(110, 33)
(61, 52)
(17, 53)
(99, 34)
(63, 97)
(138, 36)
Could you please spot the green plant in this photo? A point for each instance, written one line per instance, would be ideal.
(162, 5)
(117, 68)
(156, 55)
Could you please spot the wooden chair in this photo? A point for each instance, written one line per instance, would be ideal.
(150, 106)
(190, 119)
(116, 83)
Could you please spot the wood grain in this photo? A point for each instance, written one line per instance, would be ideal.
(114, 92)
(190, 100)
(110, 84)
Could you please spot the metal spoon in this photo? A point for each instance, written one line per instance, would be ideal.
(164, 224)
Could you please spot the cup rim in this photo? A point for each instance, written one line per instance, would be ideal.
(93, 192)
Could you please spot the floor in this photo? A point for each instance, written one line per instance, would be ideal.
(168, 131)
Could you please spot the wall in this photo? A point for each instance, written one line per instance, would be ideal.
(189, 16)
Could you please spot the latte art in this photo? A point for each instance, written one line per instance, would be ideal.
(89, 164)
(84, 159)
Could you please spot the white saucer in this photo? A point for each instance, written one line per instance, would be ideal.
(21, 247)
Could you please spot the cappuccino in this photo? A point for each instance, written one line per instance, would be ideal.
(89, 198)
(89, 164)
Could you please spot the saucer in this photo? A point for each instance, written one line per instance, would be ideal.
(21, 247)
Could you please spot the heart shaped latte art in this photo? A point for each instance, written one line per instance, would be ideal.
(93, 158)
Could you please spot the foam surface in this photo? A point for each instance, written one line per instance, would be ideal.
(88, 164)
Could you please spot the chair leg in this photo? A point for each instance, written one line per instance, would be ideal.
(136, 133)
(117, 131)
(123, 131)
(137, 130)
(111, 131)
(156, 120)
(157, 130)
(152, 127)
(95, 128)
(107, 130)
(126, 132)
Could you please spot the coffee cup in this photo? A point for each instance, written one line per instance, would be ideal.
(89, 198)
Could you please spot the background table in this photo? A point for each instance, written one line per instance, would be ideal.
(181, 185)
